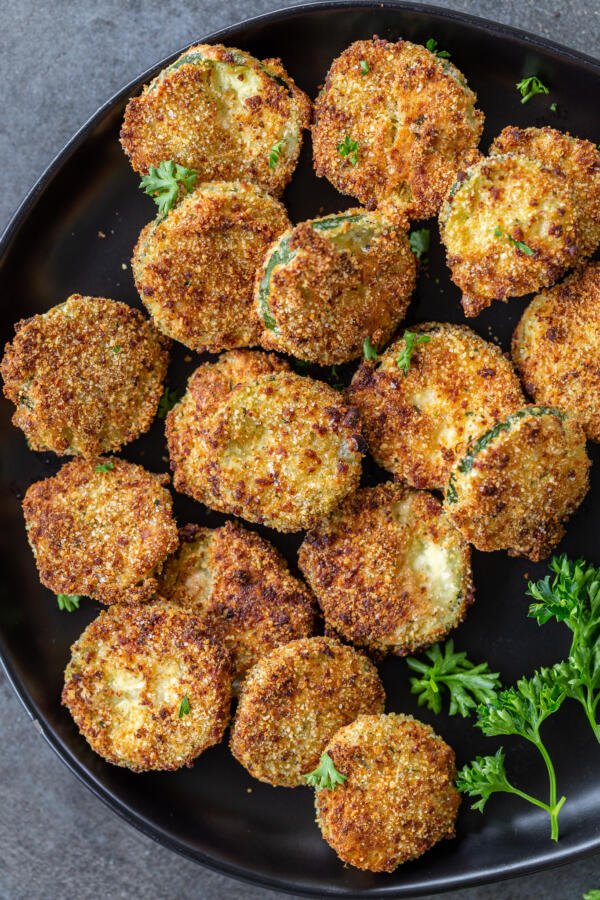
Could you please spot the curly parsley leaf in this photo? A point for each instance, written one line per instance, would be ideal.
(165, 182)
(105, 467)
(594, 894)
(325, 775)
(467, 685)
(167, 402)
(68, 602)
(529, 87)
(420, 241)
(431, 45)
(184, 707)
(411, 341)
(275, 154)
(369, 351)
(348, 149)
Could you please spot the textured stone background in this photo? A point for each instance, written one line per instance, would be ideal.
(58, 62)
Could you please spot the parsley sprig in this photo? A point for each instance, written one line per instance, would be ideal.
(572, 596)
(348, 149)
(525, 248)
(165, 182)
(431, 45)
(68, 602)
(467, 685)
(529, 87)
(521, 711)
(325, 775)
(411, 341)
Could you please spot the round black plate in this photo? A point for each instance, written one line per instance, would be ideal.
(215, 813)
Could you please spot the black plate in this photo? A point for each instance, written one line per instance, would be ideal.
(52, 249)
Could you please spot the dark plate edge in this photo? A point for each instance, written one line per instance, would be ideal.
(552, 860)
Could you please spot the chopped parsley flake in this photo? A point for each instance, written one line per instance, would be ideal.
(525, 248)
(431, 45)
(364, 67)
(349, 149)
(68, 602)
(275, 153)
(531, 86)
(184, 707)
(105, 467)
(411, 340)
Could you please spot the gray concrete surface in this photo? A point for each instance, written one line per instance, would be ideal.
(58, 61)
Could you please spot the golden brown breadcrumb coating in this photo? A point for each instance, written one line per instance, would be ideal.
(577, 158)
(398, 799)
(510, 226)
(294, 700)
(329, 283)
(556, 348)
(146, 688)
(281, 450)
(240, 588)
(86, 376)
(222, 112)
(101, 527)
(195, 270)
(519, 483)
(390, 571)
(413, 120)
(416, 424)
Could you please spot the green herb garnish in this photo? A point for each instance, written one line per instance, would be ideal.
(369, 351)
(165, 182)
(105, 467)
(116, 349)
(531, 86)
(518, 244)
(553, 107)
(431, 45)
(594, 894)
(364, 67)
(411, 341)
(167, 402)
(467, 684)
(572, 597)
(325, 775)
(335, 379)
(184, 707)
(274, 154)
(349, 149)
(68, 602)
(420, 241)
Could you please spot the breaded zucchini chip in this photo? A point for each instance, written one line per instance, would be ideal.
(294, 700)
(222, 112)
(577, 158)
(240, 588)
(195, 269)
(417, 423)
(329, 283)
(393, 125)
(146, 688)
(390, 571)
(510, 226)
(519, 482)
(101, 527)
(398, 798)
(556, 348)
(281, 450)
(86, 376)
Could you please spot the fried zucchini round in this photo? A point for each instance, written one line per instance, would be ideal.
(240, 588)
(195, 269)
(101, 527)
(393, 125)
(577, 158)
(294, 700)
(146, 688)
(281, 450)
(398, 799)
(329, 283)
(390, 571)
(555, 348)
(519, 482)
(510, 226)
(86, 376)
(416, 424)
(222, 112)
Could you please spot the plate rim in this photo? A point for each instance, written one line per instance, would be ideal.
(18, 218)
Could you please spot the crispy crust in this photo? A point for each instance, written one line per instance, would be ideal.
(398, 799)
(555, 348)
(128, 674)
(526, 203)
(86, 376)
(240, 588)
(341, 285)
(280, 450)
(390, 571)
(457, 386)
(294, 700)
(101, 533)
(413, 117)
(195, 270)
(519, 483)
(220, 113)
(578, 159)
